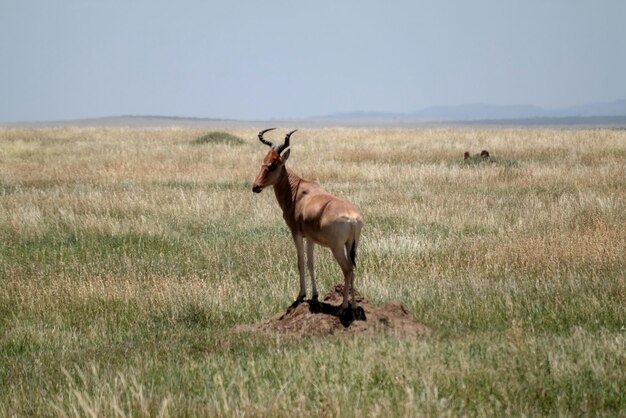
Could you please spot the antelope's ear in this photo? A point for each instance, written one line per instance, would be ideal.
(286, 155)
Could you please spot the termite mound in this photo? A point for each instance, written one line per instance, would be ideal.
(324, 318)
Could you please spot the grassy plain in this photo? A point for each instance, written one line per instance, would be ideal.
(128, 255)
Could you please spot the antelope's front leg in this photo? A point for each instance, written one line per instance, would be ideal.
(297, 238)
(310, 246)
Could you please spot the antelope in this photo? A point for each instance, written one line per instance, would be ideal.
(312, 213)
(484, 154)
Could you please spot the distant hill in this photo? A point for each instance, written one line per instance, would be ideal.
(486, 112)
(616, 108)
(138, 121)
(478, 112)
(612, 114)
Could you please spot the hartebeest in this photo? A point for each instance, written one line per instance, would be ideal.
(312, 213)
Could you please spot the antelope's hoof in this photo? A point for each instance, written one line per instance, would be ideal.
(314, 306)
(295, 304)
(349, 315)
(346, 316)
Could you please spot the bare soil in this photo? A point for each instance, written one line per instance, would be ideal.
(320, 318)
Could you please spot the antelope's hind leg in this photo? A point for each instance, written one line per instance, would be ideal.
(357, 312)
(348, 273)
(349, 310)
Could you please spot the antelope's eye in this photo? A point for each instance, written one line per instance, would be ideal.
(272, 167)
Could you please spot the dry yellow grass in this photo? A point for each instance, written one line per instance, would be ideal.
(127, 255)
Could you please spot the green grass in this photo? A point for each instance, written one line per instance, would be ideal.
(125, 266)
(217, 137)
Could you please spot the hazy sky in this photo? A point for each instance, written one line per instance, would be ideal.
(68, 59)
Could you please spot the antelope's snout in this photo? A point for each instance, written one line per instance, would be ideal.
(260, 181)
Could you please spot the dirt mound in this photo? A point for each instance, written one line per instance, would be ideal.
(311, 317)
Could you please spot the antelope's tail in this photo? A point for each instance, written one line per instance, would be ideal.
(353, 253)
(356, 233)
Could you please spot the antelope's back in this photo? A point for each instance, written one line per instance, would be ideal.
(325, 218)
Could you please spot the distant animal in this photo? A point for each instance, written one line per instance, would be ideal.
(312, 213)
(484, 154)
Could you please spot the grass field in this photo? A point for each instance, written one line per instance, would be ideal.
(127, 256)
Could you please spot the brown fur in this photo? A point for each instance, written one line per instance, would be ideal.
(312, 213)
(484, 154)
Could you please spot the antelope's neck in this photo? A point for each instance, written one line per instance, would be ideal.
(286, 190)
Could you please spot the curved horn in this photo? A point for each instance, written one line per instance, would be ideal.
(265, 141)
(285, 145)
